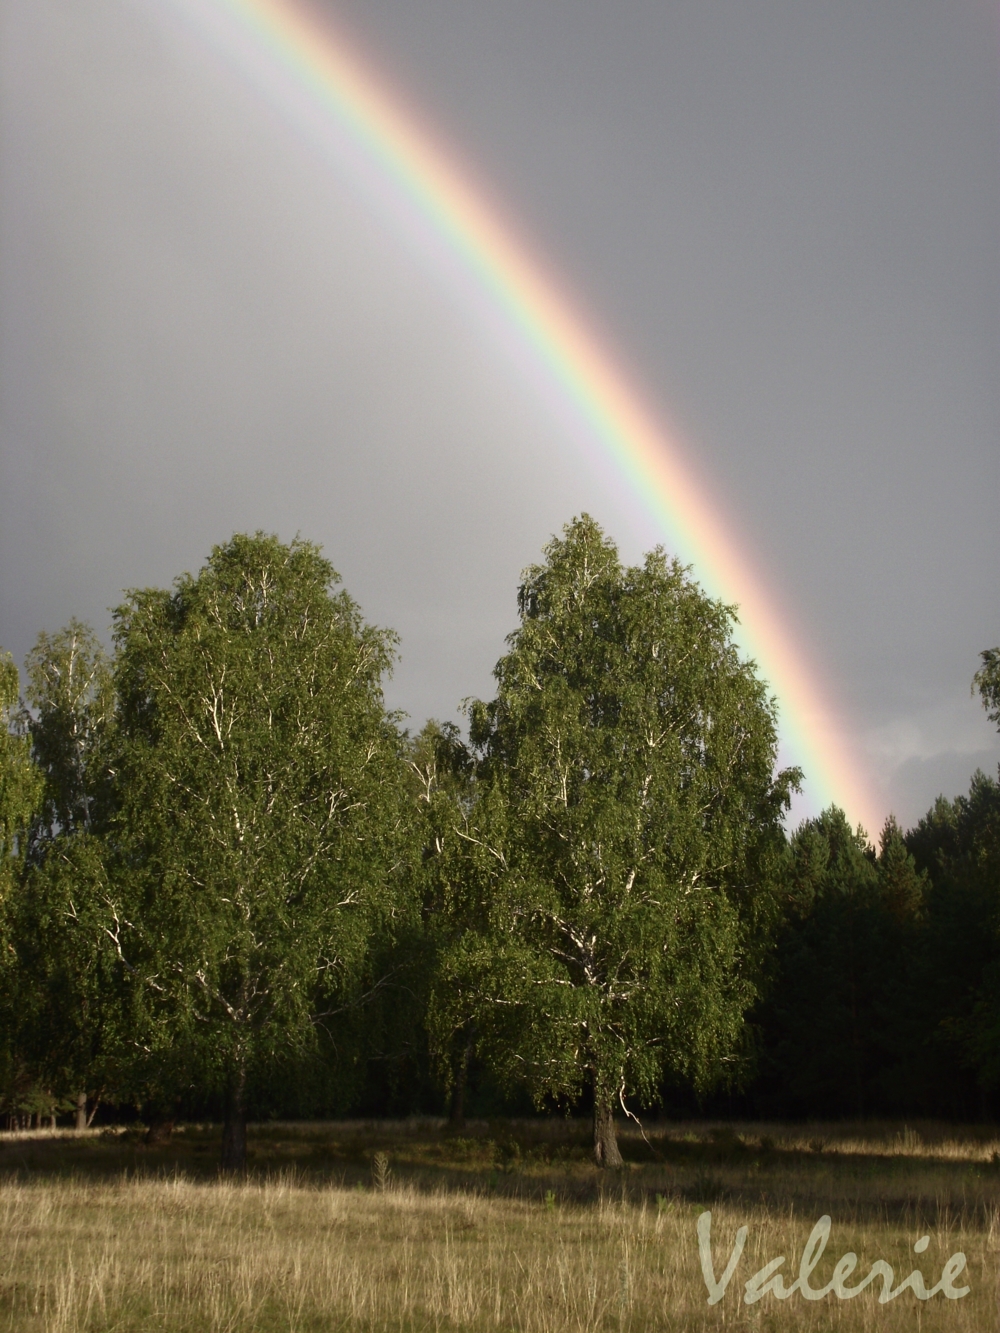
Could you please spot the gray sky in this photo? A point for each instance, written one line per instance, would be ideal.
(782, 216)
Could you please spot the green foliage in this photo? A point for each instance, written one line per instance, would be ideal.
(20, 797)
(835, 1027)
(987, 682)
(608, 876)
(886, 992)
(20, 781)
(67, 1013)
(961, 840)
(223, 870)
(259, 805)
(958, 842)
(74, 1012)
(71, 694)
(441, 777)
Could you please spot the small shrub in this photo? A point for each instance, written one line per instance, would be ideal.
(507, 1153)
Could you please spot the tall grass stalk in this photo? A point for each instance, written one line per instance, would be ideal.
(300, 1253)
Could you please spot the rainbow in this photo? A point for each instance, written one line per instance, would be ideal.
(285, 38)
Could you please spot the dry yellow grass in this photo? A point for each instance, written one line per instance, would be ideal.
(468, 1237)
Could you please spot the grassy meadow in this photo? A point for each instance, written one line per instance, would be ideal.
(408, 1226)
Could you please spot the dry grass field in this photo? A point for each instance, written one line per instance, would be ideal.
(505, 1227)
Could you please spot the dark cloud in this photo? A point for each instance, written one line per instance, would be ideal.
(782, 216)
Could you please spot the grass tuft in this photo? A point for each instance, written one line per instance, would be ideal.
(102, 1234)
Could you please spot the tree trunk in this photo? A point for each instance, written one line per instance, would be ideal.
(606, 1152)
(81, 1110)
(456, 1115)
(234, 1129)
(161, 1129)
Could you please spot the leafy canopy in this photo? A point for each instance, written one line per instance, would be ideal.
(613, 870)
(71, 694)
(258, 800)
(20, 782)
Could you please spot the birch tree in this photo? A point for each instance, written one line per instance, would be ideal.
(70, 1011)
(71, 694)
(259, 790)
(20, 795)
(613, 871)
(20, 781)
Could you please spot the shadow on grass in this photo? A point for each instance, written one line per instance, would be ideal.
(866, 1171)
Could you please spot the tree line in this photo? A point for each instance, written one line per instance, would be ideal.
(232, 883)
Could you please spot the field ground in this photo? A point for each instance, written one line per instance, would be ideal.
(408, 1227)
